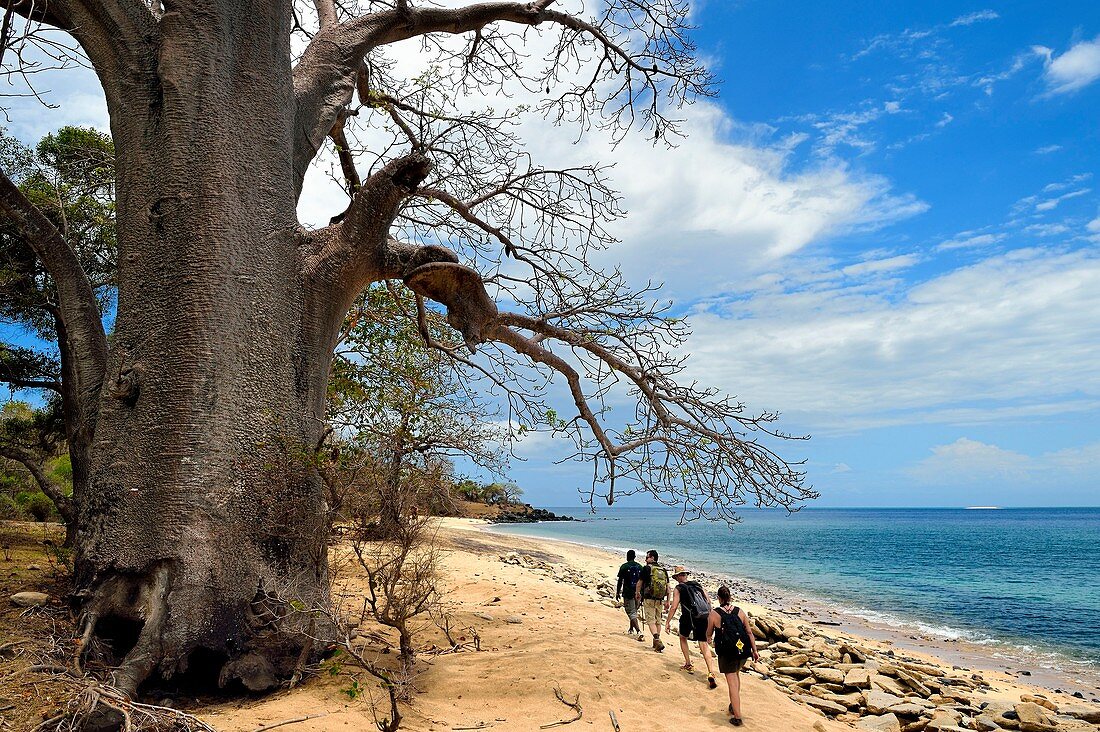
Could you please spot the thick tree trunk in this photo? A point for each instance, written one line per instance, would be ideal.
(203, 520)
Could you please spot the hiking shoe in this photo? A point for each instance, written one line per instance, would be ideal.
(640, 638)
(658, 645)
(710, 681)
(736, 722)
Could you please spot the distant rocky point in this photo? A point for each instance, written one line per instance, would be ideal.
(527, 515)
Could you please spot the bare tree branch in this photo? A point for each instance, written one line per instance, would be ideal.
(658, 70)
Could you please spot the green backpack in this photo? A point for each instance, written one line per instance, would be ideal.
(658, 582)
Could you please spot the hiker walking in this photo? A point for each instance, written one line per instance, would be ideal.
(629, 574)
(652, 591)
(734, 644)
(694, 605)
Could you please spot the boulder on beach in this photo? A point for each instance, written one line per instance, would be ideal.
(1034, 718)
(30, 599)
(878, 702)
(883, 723)
(824, 705)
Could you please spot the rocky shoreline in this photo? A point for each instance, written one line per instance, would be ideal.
(528, 515)
(873, 688)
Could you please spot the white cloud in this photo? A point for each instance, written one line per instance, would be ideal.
(841, 468)
(945, 120)
(1048, 149)
(1047, 229)
(972, 18)
(1051, 203)
(874, 266)
(1073, 70)
(966, 462)
(1013, 331)
(966, 240)
(735, 206)
(1094, 225)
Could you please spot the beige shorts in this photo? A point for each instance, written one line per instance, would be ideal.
(653, 611)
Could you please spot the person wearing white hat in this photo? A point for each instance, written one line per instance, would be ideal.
(694, 605)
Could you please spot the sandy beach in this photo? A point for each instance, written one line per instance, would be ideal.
(543, 624)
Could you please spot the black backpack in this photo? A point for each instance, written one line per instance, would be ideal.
(694, 599)
(731, 638)
(630, 582)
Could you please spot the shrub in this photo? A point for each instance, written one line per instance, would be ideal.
(36, 504)
(8, 509)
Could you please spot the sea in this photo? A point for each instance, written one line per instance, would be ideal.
(1021, 584)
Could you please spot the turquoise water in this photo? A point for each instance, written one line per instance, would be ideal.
(1023, 578)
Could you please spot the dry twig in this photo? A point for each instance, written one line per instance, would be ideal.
(575, 705)
(289, 721)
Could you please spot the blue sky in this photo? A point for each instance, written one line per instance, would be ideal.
(886, 226)
(905, 260)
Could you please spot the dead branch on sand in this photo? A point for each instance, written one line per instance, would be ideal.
(575, 705)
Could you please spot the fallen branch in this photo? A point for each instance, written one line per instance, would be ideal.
(289, 721)
(575, 705)
(48, 722)
(39, 668)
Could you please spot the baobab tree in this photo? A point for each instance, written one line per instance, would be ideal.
(199, 514)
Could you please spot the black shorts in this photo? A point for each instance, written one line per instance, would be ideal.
(693, 628)
(730, 664)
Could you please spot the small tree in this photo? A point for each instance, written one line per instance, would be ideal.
(32, 438)
(404, 409)
(402, 576)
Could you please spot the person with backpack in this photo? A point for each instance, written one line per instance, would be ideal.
(734, 644)
(652, 591)
(629, 574)
(694, 605)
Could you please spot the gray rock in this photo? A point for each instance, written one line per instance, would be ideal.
(798, 659)
(30, 599)
(1033, 718)
(513, 619)
(823, 704)
(883, 723)
(985, 723)
(1085, 712)
(796, 671)
(877, 702)
(858, 678)
(907, 709)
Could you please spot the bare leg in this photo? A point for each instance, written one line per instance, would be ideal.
(733, 681)
(708, 657)
(686, 650)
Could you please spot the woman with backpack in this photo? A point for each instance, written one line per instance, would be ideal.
(734, 644)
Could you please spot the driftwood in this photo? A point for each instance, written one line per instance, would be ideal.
(289, 721)
(614, 720)
(575, 705)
